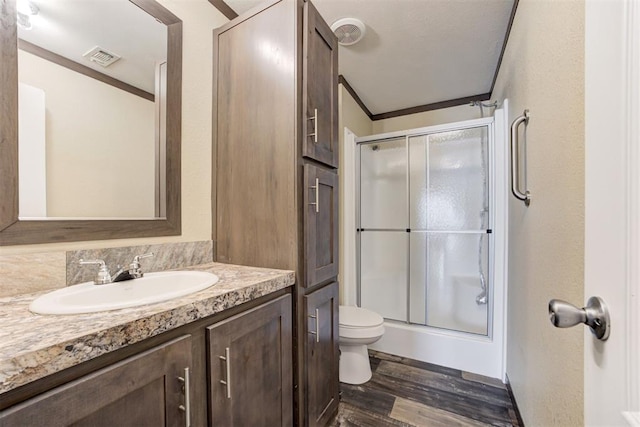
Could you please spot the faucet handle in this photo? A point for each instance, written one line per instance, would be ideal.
(137, 258)
(134, 267)
(103, 276)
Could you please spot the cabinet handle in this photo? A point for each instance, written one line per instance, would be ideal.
(317, 331)
(315, 125)
(227, 382)
(187, 399)
(317, 202)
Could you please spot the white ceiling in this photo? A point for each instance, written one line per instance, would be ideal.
(72, 27)
(417, 52)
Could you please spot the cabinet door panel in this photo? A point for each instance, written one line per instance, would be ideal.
(321, 354)
(251, 353)
(320, 96)
(320, 225)
(142, 390)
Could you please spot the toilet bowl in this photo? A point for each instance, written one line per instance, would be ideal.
(358, 327)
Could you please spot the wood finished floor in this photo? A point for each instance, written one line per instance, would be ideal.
(405, 392)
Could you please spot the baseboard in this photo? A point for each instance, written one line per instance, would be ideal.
(515, 404)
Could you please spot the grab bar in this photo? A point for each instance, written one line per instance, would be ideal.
(515, 161)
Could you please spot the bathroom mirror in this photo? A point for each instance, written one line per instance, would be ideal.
(111, 167)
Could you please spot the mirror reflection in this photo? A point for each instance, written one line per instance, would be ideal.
(92, 99)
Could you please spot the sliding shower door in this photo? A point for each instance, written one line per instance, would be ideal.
(424, 228)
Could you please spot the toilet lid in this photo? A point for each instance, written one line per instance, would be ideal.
(356, 317)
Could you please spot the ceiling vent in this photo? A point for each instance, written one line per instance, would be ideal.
(348, 30)
(101, 56)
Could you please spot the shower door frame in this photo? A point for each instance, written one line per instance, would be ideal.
(493, 342)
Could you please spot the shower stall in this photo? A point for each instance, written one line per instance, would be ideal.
(428, 228)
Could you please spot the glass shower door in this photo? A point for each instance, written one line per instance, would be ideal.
(449, 217)
(383, 221)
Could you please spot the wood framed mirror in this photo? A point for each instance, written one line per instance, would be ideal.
(16, 228)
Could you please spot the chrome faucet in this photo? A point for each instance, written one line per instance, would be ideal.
(134, 268)
(103, 276)
(133, 272)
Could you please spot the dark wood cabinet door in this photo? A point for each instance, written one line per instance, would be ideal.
(250, 370)
(143, 390)
(322, 355)
(320, 89)
(320, 225)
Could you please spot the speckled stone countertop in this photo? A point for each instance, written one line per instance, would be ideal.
(33, 346)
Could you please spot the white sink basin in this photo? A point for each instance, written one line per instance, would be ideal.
(153, 287)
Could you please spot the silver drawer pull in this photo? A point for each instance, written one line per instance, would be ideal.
(317, 202)
(227, 382)
(187, 399)
(317, 331)
(315, 125)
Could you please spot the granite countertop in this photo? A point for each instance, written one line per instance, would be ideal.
(33, 346)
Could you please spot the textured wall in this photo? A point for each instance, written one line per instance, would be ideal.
(543, 70)
(199, 18)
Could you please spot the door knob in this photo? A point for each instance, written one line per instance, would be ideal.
(595, 315)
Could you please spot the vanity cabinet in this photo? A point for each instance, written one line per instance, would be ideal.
(250, 375)
(275, 151)
(143, 390)
(248, 347)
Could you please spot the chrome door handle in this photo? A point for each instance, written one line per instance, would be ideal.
(595, 315)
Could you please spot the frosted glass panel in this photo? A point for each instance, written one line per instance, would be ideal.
(418, 278)
(455, 281)
(418, 203)
(383, 184)
(383, 273)
(449, 180)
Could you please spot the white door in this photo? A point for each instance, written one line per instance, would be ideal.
(612, 197)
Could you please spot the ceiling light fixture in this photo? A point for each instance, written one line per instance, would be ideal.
(348, 30)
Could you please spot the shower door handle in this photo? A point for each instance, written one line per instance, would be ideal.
(515, 160)
(595, 315)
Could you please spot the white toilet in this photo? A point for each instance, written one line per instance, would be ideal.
(358, 328)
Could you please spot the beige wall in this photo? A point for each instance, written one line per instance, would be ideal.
(428, 118)
(543, 70)
(199, 20)
(91, 128)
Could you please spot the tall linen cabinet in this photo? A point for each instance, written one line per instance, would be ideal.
(275, 133)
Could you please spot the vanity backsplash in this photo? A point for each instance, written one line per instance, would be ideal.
(26, 273)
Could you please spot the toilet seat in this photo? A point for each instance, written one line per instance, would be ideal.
(356, 317)
(359, 323)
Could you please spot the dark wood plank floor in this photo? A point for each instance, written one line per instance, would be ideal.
(405, 392)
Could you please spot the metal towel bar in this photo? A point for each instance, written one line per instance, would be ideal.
(515, 160)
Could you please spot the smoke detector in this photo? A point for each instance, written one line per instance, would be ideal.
(348, 30)
(101, 56)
